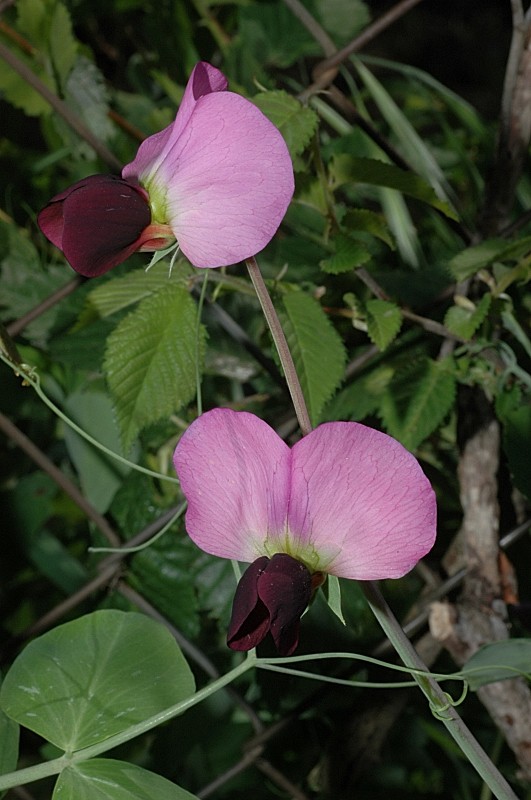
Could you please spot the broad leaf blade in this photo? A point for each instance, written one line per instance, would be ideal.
(348, 255)
(96, 676)
(9, 736)
(316, 347)
(499, 661)
(150, 363)
(107, 779)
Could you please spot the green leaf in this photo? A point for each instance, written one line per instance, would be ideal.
(91, 678)
(99, 474)
(165, 576)
(343, 19)
(469, 261)
(348, 255)
(413, 146)
(384, 320)
(361, 397)
(516, 418)
(361, 220)
(61, 42)
(498, 661)
(107, 779)
(333, 597)
(417, 400)
(316, 347)
(349, 169)
(464, 320)
(119, 293)
(296, 123)
(150, 362)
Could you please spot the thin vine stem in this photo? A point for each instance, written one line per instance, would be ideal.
(437, 698)
(440, 703)
(281, 344)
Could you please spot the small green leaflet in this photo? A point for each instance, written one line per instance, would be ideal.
(316, 347)
(464, 321)
(296, 123)
(150, 361)
(498, 661)
(108, 779)
(348, 255)
(384, 321)
(348, 169)
(417, 400)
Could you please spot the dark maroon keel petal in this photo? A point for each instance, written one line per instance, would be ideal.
(97, 222)
(285, 588)
(249, 622)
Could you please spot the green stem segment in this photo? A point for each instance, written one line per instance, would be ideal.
(281, 344)
(438, 699)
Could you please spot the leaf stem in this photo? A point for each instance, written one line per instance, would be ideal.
(281, 344)
(439, 701)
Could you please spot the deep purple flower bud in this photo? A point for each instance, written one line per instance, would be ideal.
(271, 597)
(99, 222)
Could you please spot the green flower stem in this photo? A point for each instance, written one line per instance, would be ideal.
(439, 701)
(281, 344)
(30, 774)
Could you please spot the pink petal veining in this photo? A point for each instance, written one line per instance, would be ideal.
(234, 472)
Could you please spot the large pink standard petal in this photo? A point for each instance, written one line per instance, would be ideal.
(223, 170)
(204, 79)
(234, 472)
(362, 500)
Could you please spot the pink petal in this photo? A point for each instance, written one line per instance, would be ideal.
(230, 181)
(204, 79)
(234, 472)
(362, 500)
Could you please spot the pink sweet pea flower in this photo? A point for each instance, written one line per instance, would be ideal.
(345, 500)
(218, 180)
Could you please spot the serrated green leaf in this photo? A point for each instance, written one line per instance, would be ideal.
(361, 220)
(119, 293)
(499, 661)
(417, 400)
(150, 362)
(316, 347)
(61, 42)
(296, 123)
(88, 679)
(348, 255)
(464, 321)
(349, 169)
(361, 397)
(108, 779)
(87, 95)
(384, 320)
